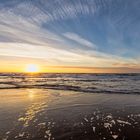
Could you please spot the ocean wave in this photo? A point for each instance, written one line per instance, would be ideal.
(91, 83)
(70, 88)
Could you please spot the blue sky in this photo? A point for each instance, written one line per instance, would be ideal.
(94, 33)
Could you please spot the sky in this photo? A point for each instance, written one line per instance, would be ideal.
(70, 35)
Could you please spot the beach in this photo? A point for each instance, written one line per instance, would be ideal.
(69, 69)
(40, 114)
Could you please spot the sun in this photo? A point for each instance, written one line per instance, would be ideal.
(32, 68)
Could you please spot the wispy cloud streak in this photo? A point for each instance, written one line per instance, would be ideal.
(79, 40)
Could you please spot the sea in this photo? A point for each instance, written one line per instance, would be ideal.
(92, 83)
(56, 106)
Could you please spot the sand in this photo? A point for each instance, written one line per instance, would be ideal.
(40, 114)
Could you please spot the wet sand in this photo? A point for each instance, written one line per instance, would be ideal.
(38, 114)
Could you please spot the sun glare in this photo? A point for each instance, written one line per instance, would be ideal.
(32, 68)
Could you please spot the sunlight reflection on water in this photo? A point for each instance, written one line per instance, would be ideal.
(31, 113)
(31, 94)
(37, 106)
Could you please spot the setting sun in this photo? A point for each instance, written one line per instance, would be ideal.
(32, 68)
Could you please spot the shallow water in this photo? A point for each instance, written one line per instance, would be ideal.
(58, 114)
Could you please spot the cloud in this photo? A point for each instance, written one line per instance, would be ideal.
(69, 32)
(19, 29)
(78, 39)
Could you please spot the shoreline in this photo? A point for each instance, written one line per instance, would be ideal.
(56, 114)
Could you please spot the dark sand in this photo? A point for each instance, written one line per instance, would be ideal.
(38, 114)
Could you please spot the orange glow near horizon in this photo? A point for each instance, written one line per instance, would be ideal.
(36, 67)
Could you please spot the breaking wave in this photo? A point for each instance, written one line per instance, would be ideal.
(93, 83)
